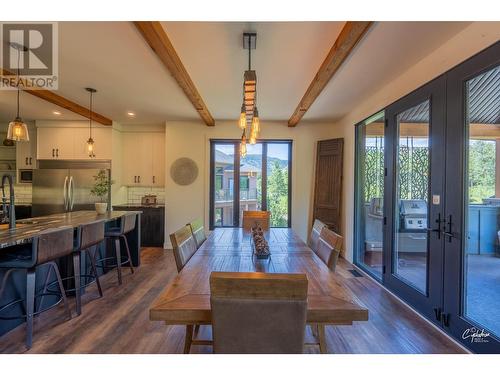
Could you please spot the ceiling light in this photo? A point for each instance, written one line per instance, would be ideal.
(130, 114)
(57, 113)
(90, 141)
(18, 130)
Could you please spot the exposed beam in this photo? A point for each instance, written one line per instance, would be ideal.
(346, 41)
(61, 101)
(157, 38)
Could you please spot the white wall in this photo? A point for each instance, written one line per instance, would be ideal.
(465, 44)
(192, 139)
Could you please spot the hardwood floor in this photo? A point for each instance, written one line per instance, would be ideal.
(119, 322)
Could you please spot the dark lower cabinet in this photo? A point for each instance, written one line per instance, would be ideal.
(152, 224)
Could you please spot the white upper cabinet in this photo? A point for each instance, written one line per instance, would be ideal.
(26, 151)
(70, 143)
(143, 159)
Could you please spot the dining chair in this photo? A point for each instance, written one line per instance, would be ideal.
(315, 233)
(184, 246)
(256, 218)
(255, 312)
(198, 232)
(328, 250)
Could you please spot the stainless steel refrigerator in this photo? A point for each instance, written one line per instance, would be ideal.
(64, 186)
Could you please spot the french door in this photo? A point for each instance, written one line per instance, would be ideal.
(442, 201)
(414, 205)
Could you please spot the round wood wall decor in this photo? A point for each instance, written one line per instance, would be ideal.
(184, 171)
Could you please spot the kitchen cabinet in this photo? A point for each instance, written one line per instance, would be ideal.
(26, 151)
(152, 223)
(70, 143)
(143, 159)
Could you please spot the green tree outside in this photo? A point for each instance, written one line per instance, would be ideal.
(277, 195)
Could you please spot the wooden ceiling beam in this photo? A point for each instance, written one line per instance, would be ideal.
(350, 35)
(61, 101)
(157, 38)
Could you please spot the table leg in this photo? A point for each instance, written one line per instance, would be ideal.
(322, 339)
(188, 339)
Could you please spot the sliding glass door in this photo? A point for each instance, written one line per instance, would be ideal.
(258, 181)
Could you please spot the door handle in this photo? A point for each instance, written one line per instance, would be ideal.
(450, 234)
(139, 179)
(53, 152)
(26, 162)
(57, 152)
(65, 194)
(154, 180)
(438, 230)
(71, 193)
(31, 160)
(135, 179)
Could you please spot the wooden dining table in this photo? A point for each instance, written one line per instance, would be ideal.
(186, 300)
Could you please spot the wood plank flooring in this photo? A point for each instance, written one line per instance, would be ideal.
(119, 322)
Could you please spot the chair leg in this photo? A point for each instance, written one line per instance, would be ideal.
(315, 330)
(78, 292)
(188, 339)
(196, 329)
(128, 254)
(322, 339)
(61, 288)
(30, 305)
(94, 269)
(45, 287)
(118, 260)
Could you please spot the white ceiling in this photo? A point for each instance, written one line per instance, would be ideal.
(114, 58)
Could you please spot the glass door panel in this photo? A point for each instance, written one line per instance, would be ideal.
(278, 167)
(369, 195)
(223, 171)
(251, 180)
(481, 253)
(412, 190)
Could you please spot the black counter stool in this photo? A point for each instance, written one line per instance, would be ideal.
(127, 224)
(45, 248)
(88, 237)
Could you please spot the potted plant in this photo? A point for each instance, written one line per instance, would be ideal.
(101, 188)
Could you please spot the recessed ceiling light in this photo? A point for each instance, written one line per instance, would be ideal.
(57, 113)
(130, 114)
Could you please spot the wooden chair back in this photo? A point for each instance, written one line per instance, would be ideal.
(198, 232)
(52, 244)
(90, 234)
(329, 247)
(256, 218)
(315, 233)
(255, 312)
(183, 245)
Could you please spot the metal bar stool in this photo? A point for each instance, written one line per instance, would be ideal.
(45, 248)
(88, 236)
(127, 224)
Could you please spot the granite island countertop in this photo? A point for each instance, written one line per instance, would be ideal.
(26, 229)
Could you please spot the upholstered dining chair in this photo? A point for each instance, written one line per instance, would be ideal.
(255, 312)
(184, 246)
(315, 233)
(256, 218)
(329, 247)
(198, 232)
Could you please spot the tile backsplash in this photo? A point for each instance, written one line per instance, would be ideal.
(134, 194)
(22, 193)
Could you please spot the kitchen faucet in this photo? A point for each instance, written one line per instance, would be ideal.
(11, 212)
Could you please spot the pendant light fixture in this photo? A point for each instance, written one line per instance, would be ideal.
(18, 130)
(90, 141)
(249, 114)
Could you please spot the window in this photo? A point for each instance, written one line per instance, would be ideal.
(259, 181)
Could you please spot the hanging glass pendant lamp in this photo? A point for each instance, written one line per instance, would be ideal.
(18, 130)
(90, 141)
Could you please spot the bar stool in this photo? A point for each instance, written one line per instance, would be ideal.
(88, 237)
(45, 248)
(127, 224)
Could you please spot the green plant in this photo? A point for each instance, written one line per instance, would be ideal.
(102, 184)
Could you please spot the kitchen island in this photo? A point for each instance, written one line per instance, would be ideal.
(27, 229)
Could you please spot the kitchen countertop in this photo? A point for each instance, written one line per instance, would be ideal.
(139, 205)
(26, 229)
